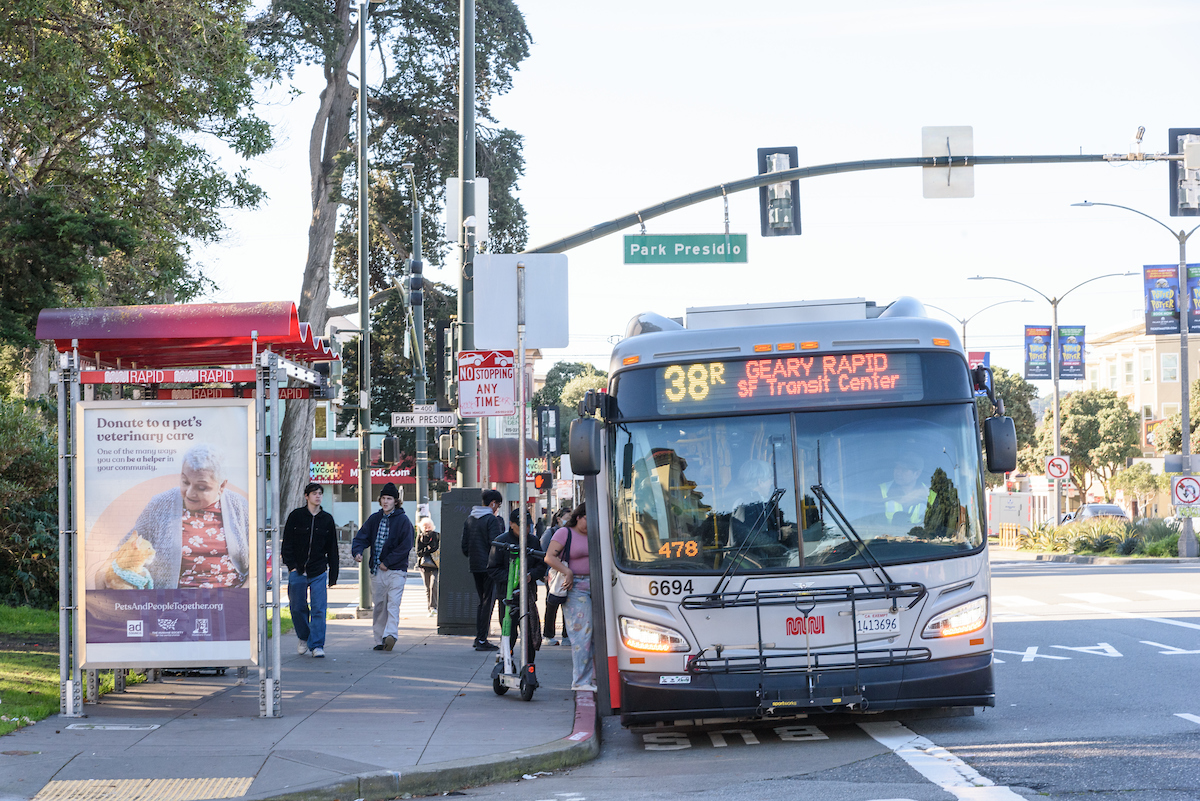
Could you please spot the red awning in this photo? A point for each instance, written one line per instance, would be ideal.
(196, 335)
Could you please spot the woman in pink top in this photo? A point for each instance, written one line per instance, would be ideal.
(577, 611)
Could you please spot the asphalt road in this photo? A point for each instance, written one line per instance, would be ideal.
(1096, 674)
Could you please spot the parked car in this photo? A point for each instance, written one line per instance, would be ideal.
(1090, 510)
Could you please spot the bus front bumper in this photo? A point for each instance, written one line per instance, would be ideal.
(964, 681)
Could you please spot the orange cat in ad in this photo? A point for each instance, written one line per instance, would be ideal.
(127, 568)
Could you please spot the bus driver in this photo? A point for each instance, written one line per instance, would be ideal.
(905, 497)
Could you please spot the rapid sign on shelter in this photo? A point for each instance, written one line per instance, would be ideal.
(486, 383)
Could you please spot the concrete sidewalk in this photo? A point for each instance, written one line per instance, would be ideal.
(367, 724)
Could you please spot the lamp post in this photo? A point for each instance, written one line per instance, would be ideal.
(964, 320)
(1187, 540)
(364, 314)
(1053, 362)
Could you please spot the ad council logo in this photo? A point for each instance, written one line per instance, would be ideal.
(133, 628)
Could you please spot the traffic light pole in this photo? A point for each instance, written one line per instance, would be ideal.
(468, 429)
(416, 302)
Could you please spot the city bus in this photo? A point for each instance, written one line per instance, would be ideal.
(786, 514)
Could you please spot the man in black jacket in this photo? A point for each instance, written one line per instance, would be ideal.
(388, 534)
(310, 554)
(479, 530)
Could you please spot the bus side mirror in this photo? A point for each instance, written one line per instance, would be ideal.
(1000, 444)
(585, 446)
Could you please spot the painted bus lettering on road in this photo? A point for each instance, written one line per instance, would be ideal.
(722, 738)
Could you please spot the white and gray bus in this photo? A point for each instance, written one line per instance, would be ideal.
(787, 501)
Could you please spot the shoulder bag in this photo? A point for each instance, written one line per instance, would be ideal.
(555, 583)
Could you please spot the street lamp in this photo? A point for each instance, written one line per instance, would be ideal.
(964, 320)
(1053, 362)
(1187, 542)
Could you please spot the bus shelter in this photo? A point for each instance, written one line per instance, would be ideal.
(169, 518)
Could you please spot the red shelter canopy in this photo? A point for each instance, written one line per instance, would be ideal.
(196, 335)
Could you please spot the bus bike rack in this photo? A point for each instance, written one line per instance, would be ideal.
(842, 661)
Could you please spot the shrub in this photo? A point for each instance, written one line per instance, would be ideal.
(28, 506)
(1167, 546)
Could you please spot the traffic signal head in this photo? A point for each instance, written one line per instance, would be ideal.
(391, 451)
(779, 204)
(542, 481)
(1184, 175)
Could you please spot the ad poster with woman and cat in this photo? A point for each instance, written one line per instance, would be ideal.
(167, 553)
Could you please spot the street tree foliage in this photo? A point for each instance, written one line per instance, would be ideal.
(572, 393)
(109, 115)
(1140, 483)
(1098, 431)
(557, 378)
(1018, 395)
(413, 117)
(1167, 434)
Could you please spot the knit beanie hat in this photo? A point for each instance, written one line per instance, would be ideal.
(390, 489)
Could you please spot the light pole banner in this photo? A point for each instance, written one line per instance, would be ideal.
(1037, 352)
(1193, 294)
(167, 553)
(1070, 352)
(1162, 298)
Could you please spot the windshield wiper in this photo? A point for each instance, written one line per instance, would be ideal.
(768, 510)
(849, 533)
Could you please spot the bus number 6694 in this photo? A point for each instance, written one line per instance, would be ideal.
(670, 587)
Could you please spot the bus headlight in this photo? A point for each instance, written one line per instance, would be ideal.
(971, 616)
(642, 636)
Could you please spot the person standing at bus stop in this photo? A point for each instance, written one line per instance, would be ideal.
(389, 535)
(310, 553)
(573, 563)
(480, 529)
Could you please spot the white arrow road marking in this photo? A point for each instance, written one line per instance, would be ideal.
(1132, 616)
(1186, 716)
(1169, 649)
(1030, 654)
(937, 764)
(1103, 649)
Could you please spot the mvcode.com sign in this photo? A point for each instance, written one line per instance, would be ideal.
(486, 383)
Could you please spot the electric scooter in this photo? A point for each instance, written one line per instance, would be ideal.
(510, 670)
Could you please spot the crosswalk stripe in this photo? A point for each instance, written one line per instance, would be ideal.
(1172, 595)
(1016, 600)
(1096, 597)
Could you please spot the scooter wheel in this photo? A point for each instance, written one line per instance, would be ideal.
(500, 688)
(527, 688)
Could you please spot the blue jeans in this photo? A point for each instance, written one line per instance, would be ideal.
(307, 598)
(577, 613)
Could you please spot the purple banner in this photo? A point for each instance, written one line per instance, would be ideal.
(1037, 352)
(1162, 298)
(145, 616)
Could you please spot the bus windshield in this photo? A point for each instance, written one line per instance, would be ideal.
(695, 494)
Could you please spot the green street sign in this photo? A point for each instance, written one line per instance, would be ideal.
(684, 248)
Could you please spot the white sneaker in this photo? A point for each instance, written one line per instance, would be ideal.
(301, 647)
(318, 653)
(552, 641)
(584, 688)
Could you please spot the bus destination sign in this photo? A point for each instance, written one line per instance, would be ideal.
(789, 381)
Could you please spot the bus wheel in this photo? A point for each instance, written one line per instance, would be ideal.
(498, 687)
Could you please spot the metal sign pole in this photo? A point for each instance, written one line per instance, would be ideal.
(522, 530)
(260, 480)
(277, 375)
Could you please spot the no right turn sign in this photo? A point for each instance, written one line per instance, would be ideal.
(1185, 491)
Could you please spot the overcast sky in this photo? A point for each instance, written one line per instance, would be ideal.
(626, 104)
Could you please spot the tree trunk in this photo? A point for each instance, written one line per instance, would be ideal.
(37, 381)
(330, 136)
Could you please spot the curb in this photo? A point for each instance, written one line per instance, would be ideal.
(582, 745)
(1114, 560)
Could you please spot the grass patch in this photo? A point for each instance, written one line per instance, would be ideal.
(28, 687)
(25, 620)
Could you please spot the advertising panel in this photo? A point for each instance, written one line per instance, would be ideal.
(1193, 294)
(1070, 352)
(1037, 352)
(1162, 298)
(167, 554)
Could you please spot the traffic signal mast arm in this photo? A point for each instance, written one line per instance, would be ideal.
(766, 179)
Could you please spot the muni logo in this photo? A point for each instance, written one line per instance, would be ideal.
(806, 625)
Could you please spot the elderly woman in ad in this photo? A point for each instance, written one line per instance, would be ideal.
(196, 535)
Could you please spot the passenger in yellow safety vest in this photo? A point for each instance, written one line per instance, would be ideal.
(905, 495)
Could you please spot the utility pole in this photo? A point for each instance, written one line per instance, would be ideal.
(416, 302)
(468, 429)
(364, 315)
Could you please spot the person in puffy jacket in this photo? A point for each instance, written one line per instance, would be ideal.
(479, 530)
